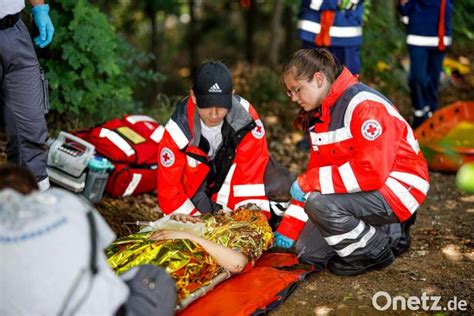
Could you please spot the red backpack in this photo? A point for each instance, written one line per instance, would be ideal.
(131, 143)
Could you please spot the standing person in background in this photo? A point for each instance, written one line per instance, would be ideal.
(429, 35)
(366, 176)
(335, 25)
(23, 88)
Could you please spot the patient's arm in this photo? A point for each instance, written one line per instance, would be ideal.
(186, 218)
(228, 258)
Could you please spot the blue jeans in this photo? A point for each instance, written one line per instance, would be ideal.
(425, 69)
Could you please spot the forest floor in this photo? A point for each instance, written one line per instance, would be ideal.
(439, 263)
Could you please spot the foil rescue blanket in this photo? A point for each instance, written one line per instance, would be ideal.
(187, 262)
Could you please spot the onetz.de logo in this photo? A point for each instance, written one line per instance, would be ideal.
(383, 301)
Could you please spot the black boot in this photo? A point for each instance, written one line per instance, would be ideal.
(361, 264)
(405, 240)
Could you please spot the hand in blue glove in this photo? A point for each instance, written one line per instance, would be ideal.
(44, 24)
(297, 193)
(282, 241)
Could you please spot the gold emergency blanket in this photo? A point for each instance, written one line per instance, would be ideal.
(187, 262)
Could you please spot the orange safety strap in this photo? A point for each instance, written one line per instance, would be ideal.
(327, 20)
(441, 25)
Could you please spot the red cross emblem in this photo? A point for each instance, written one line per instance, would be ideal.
(259, 130)
(166, 157)
(371, 129)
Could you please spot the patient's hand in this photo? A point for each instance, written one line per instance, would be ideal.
(185, 218)
(171, 234)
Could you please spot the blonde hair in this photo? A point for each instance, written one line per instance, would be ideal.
(302, 65)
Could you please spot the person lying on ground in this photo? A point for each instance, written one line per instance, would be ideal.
(228, 242)
(51, 246)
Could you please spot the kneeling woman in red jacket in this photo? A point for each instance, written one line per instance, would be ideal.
(366, 176)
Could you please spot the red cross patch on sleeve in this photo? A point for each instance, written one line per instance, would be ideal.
(371, 129)
(166, 157)
(259, 131)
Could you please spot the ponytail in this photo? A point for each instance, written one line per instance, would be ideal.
(303, 64)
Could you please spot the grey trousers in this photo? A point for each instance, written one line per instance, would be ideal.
(351, 226)
(23, 101)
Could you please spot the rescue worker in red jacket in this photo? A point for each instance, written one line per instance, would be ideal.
(213, 155)
(366, 176)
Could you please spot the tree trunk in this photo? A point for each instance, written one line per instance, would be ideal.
(153, 38)
(250, 31)
(192, 39)
(276, 33)
(290, 30)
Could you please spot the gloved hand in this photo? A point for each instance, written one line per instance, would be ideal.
(282, 241)
(297, 193)
(44, 24)
(348, 4)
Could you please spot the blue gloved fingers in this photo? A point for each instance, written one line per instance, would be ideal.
(297, 193)
(44, 24)
(282, 241)
(49, 33)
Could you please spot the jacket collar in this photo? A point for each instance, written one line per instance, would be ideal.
(344, 81)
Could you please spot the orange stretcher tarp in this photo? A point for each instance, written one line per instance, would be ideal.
(447, 138)
(261, 289)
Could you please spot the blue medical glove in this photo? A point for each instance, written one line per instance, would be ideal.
(297, 193)
(282, 241)
(44, 24)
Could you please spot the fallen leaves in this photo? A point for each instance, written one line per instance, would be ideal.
(452, 252)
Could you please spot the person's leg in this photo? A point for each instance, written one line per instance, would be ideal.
(435, 64)
(418, 82)
(338, 53)
(312, 248)
(23, 100)
(351, 59)
(152, 292)
(307, 45)
(355, 226)
(277, 181)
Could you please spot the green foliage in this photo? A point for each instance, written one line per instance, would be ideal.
(260, 85)
(165, 106)
(90, 70)
(463, 23)
(379, 53)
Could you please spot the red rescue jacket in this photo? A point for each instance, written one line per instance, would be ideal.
(362, 144)
(183, 166)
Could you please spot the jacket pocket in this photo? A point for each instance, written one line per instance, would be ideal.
(45, 88)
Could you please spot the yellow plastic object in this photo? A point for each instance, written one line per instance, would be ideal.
(447, 138)
(456, 65)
